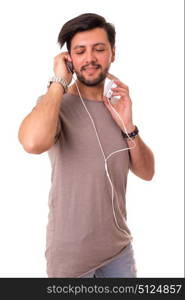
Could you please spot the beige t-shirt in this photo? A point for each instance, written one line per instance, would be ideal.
(82, 234)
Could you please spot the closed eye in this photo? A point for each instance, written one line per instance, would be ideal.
(98, 50)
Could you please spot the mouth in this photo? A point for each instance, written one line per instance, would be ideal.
(91, 69)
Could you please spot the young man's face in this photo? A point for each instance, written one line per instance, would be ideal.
(92, 55)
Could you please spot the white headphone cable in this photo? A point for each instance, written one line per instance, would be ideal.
(104, 157)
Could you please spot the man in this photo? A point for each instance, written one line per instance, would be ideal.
(87, 233)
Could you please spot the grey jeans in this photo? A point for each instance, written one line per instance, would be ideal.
(123, 266)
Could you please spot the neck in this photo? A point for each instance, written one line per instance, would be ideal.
(95, 93)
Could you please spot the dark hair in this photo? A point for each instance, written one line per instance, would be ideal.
(82, 23)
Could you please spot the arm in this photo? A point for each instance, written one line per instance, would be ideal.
(142, 159)
(38, 130)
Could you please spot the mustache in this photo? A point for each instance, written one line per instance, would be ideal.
(90, 65)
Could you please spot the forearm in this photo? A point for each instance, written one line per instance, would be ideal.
(142, 159)
(37, 130)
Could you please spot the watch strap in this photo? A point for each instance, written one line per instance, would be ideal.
(60, 80)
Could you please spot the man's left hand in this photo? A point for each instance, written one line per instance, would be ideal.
(123, 106)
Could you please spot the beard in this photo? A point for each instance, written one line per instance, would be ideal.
(92, 82)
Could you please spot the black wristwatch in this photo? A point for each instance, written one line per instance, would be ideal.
(131, 134)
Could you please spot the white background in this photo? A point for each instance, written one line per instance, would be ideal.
(150, 61)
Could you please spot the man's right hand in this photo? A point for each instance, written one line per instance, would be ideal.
(60, 69)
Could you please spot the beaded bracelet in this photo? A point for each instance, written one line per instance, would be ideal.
(131, 134)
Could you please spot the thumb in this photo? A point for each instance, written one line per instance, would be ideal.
(107, 103)
(105, 100)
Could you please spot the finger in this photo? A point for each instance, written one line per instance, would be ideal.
(121, 94)
(107, 106)
(120, 89)
(65, 55)
(107, 103)
(111, 76)
(119, 83)
(106, 100)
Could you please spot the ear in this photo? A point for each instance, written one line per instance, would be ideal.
(113, 54)
(69, 57)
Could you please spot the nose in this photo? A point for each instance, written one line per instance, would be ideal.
(90, 57)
